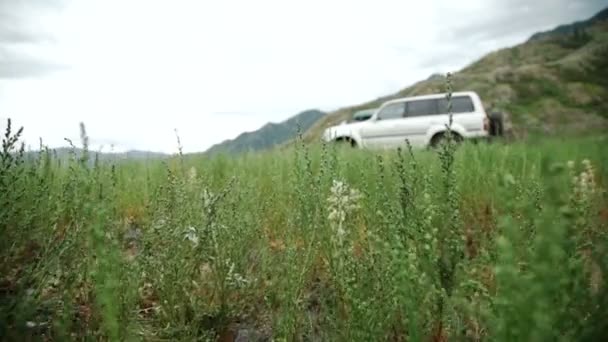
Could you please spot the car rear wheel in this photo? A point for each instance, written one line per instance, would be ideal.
(496, 124)
(442, 138)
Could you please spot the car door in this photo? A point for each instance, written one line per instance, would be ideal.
(420, 115)
(386, 129)
(464, 113)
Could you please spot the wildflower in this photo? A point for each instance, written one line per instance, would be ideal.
(192, 174)
(340, 232)
(570, 164)
(584, 184)
(233, 278)
(208, 198)
(586, 163)
(509, 179)
(160, 223)
(584, 178)
(342, 201)
(191, 235)
(336, 215)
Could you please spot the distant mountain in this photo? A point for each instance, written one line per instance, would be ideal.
(571, 29)
(557, 81)
(270, 135)
(136, 154)
(64, 153)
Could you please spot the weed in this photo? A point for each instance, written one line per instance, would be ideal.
(471, 242)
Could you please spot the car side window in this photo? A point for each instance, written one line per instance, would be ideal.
(392, 111)
(421, 107)
(460, 104)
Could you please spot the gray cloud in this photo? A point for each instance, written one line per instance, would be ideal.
(18, 20)
(231, 113)
(18, 27)
(467, 35)
(443, 57)
(13, 31)
(16, 65)
(518, 17)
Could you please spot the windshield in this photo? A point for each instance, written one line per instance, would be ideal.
(363, 115)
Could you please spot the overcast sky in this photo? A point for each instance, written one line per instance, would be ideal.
(135, 70)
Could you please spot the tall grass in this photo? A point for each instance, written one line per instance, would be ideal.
(477, 242)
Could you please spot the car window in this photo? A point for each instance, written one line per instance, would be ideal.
(392, 111)
(363, 115)
(421, 107)
(460, 104)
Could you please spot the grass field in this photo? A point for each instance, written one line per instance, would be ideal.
(494, 242)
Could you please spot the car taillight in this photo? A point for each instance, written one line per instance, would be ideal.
(486, 124)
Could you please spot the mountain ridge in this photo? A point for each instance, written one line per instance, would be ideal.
(572, 27)
(270, 135)
(65, 152)
(553, 82)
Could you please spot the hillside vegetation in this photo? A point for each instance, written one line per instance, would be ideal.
(270, 135)
(553, 83)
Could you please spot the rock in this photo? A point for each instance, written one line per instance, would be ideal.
(244, 335)
(132, 235)
(242, 332)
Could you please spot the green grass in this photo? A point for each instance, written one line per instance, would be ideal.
(498, 244)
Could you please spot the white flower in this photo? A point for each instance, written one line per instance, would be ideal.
(333, 215)
(509, 179)
(586, 163)
(584, 183)
(570, 164)
(159, 223)
(192, 173)
(342, 201)
(207, 198)
(233, 278)
(191, 235)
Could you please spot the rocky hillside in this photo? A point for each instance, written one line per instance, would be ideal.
(269, 135)
(556, 81)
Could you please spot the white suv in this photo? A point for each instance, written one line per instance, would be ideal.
(422, 120)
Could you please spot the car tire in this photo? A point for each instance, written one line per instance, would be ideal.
(441, 138)
(346, 142)
(496, 124)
